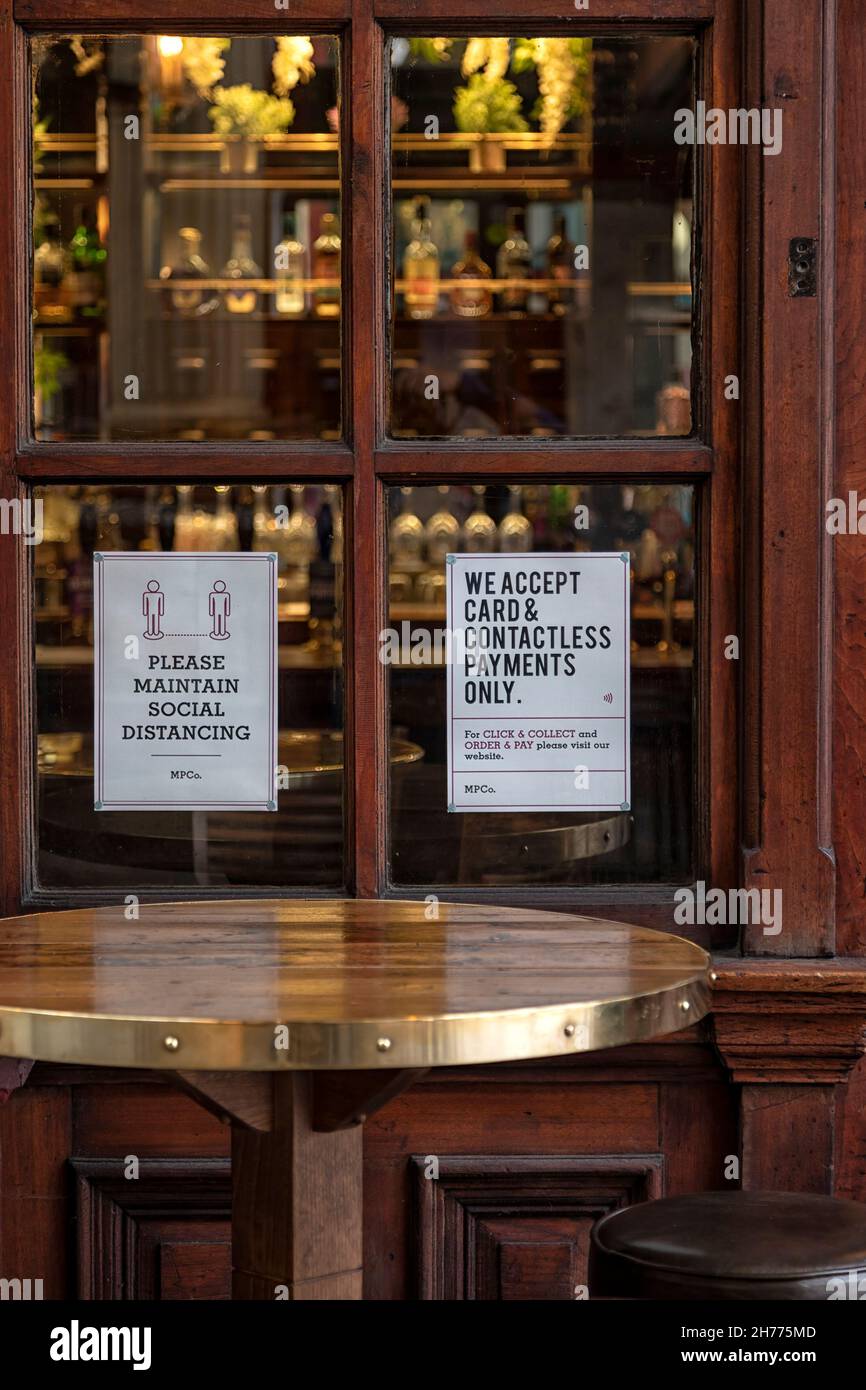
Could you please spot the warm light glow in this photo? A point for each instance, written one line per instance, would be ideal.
(169, 46)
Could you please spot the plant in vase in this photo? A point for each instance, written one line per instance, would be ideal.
(247, 114)
(488, 106)
(48, 368)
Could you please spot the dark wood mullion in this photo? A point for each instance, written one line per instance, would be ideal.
(519, 17)
(717, 300)
(786, 749)
(15, 557)
(366, 709)
(850, 295)
(218, 16)
(580, 459)
(150, 463)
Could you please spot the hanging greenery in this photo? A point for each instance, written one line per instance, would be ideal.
(491, 55)
(430, 50)
(293, 63)
(563, 67)
(203, 63)
(89, 53)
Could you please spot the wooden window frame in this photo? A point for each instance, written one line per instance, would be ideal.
(763, 464)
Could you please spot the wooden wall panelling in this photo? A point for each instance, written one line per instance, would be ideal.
(849, 769)
(788, 1138)
(786, 752)
(35, 1141)
(850, 1156)
(497, 1227)
(164, 1234)
(149, 1120)
(587, 1117)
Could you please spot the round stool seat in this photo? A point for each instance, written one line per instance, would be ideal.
(731, 1245)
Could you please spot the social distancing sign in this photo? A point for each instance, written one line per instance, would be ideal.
(185, 681)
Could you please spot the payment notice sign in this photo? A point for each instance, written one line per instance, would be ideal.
(538, 682)
(185, 676)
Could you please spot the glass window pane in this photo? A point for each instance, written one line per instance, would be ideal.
(654, 841)
(186, 238)
(542, 264)
(302, 843)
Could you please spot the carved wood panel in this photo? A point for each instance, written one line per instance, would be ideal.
(495, 1228)
(165, 1234)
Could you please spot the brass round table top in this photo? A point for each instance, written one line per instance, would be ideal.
(303, 752)
(335, 984)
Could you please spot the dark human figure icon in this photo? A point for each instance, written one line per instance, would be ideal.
(153, 608)
(219, 608)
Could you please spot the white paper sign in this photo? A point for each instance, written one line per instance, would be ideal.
(538, 682)
(185, 678)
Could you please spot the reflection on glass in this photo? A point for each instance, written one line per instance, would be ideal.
(654, 842)
(542, 237)
(302, 844)
(186, 238)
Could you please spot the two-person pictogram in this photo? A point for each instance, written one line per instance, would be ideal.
(219, 611)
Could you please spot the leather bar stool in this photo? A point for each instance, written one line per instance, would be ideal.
(731, 1245)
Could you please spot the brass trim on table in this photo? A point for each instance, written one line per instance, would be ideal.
(670, 991)
(211, 1044)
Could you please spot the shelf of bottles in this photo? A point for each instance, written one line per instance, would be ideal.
(301, 524)
(542, 261)
(653, 524)
(188, 253)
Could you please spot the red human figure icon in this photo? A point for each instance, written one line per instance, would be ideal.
(219, 607)
(153, 608)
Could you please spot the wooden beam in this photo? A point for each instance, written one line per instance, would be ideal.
(296, 1204)
(239, 1097)
(342, 1099)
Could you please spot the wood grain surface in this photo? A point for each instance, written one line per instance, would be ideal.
(322, 983)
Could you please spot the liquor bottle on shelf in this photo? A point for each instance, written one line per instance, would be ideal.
(514, 263)
(241, 266)
(290, 300)
(323, 584)
(84, 282)
(515, 530)
(442, 531)
(473, 301)
(334, 498)
(190, 302)
(479, 528)
(166, 519)
(421, 266)
(192, 526)
(264, 521)
(327, 250)
(150, 540)
(299, 545)
(50, 262)
(560, 267)
(406, 535)
(79, 577)
(224, 527)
